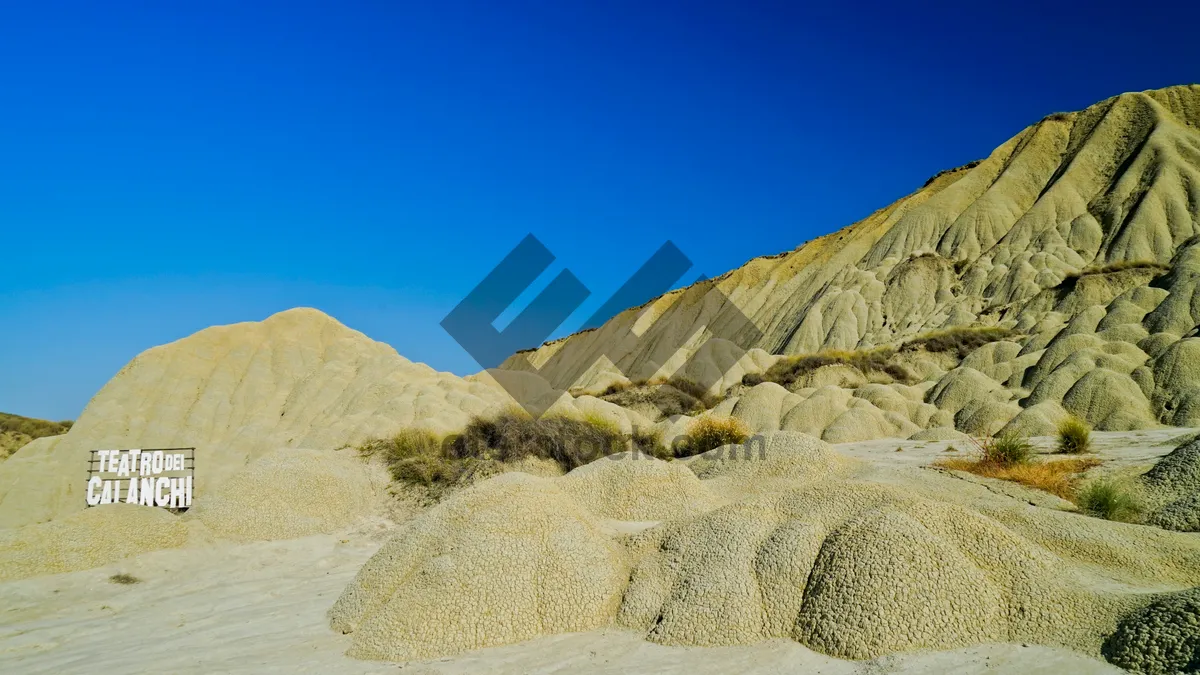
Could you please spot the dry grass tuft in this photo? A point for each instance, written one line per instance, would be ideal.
(1059, 477)
(1112, 499)
(124, 579)
(961, 340)
(487, 445)
(16, 432)
(1074, 436)
(789, 370)
(671, 396)
(28, 426)
(710, 432)
(1109, 268)
(1007, 451)
(414, 456)
(569, 441)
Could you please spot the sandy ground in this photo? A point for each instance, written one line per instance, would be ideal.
(260, 608)
(1120, 450)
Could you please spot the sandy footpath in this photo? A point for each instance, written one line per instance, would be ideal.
(1120, 450)
(260, 608)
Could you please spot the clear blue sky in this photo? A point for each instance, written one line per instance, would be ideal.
(169, 166)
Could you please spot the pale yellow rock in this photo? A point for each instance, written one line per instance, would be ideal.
(1041, 419)
(636, 487)
(291, 493)
(296, 380)
(508, 560)
(88, 538)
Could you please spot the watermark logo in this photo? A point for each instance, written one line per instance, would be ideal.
(703, 308)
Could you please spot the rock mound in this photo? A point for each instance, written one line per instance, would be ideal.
(851, 559)
(89, 538)
(508, 560)
(1161, 638)
(1176, 478)
(290, 493)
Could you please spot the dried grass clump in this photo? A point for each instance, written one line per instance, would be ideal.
(709, 433)
(32, 428)
(1059, 477)
(1117, 266)
(488, 444)
(16, 432)
(1074, 436)
(671, 396)
(511, 436)
(961, 340)
(124, 579)
(415, 456)
(1007, 451)
(788, 370)
(1112, 499)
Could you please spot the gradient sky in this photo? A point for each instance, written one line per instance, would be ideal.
(170, 166)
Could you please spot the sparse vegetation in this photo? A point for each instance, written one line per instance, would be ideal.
(1111, 498)
(961, 340)
(1074, 436)
(16, 431)
(1007, 451)
(674, 396)
(124, 579)
(1071, 278)
(419, 457)
(1056, 477)
(31, 427)
(711, 432)
(789, 370)
(650, 442)
(965, 167)
(414, 456)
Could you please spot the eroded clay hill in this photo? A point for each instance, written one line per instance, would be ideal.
(798, 542)
(236, 393)
(1077, 238)
(275, 410)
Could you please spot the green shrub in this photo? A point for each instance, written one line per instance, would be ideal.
(1112, 499)
(710, 432)
(1074, 436)
(1007, 450)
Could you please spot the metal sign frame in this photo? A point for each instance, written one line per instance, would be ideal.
(189, 466)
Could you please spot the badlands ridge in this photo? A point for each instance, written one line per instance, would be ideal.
(1062, 271)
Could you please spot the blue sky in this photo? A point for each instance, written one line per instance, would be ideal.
(169, 167)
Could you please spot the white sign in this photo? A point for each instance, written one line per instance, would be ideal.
(146, 477)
